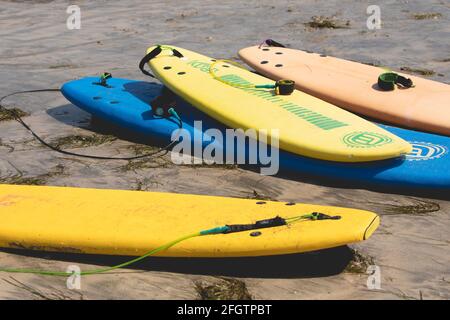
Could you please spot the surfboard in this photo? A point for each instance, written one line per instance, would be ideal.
(127, 104)
(354, 86)
(118, 222)
(303, 124)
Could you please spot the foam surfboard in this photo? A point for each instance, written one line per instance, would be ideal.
(127, 104)
(354, 86)
(306, 125)
(119, 222)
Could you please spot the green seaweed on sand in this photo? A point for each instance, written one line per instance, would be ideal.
(61, 66)
(39, 180)
(418, 207)
(146, 163)
(158, 160)
(20, 180)
(79, 141)
(359, 262)
(322, 22)
(224, 289)
(426, 16)
(8, 115)
(422, 72)
(225, 166)
(146, 183)
(141, 149)
(259, 196)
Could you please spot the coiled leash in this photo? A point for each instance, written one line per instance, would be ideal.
(103, 82)
(281, 87)
(226, 229)
(388, 80)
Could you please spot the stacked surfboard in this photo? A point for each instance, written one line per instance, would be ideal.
(317, 132)
(316, 137)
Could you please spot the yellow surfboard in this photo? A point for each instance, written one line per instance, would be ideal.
(307, 125)
(117, 222)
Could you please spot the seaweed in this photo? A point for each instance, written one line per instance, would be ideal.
(11, 114)
(419, 207)
(146, 163)
(359, 262)
(78, 141)
(224, 289)
(225, 166)
(61, 66)
(258, 196)
(143, 185)
(39, 180)
(423, 72)
(322, 22)
(141, 149)
(427, 15)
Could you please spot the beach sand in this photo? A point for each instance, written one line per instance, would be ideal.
(411, 247)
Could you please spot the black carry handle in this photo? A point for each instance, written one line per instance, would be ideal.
(267, 223)
(149, 56)
(152, 54)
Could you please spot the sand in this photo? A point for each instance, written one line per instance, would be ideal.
(38, 51)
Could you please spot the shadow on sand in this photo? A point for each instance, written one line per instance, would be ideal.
(320, 263)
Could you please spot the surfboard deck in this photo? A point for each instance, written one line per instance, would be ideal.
(118, 222)
(306, 125)
(426, 167)
(353, 86)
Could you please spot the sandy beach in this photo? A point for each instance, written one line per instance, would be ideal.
(411, 246)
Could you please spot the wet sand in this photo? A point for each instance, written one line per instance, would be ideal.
(411, 246)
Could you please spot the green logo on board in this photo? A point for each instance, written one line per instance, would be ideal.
(364, 139)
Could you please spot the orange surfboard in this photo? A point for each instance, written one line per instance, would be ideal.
(353, 86)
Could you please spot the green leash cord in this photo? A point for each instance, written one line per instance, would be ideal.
(218, 230)
(282, 87)
(122, 265)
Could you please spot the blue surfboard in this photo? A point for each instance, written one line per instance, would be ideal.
(127, 104)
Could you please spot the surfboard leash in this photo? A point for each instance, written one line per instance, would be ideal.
(281, 87)
(17, 117)
(226, 229)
